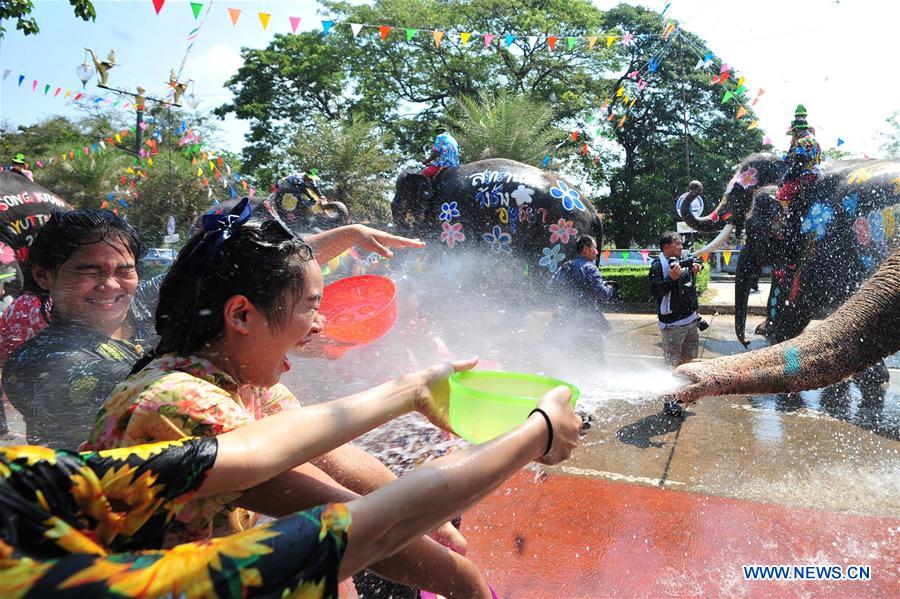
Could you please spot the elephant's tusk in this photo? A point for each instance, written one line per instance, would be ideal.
(717, 242)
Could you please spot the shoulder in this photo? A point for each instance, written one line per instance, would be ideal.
(277, 398)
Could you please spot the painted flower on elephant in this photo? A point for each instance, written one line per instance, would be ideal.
(849, 203)
(552, 257)
(498, 239)
(817, 219)
(746, 178)
(563, 231)
(452, 233)
(522, 195)
(861, 228)
(876, 227)
(449, 211)
(571, 199)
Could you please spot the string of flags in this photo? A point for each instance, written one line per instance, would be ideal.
(44, 88)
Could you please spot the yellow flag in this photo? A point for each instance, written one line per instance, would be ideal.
(740, 83)
(129, 170)
(619, 92)
(625, 99)
(264, 19)
(437, 37)
(68, 93)
(118, 139)
(633, 100)
(753, 125)
(726, 255)
(610, 39)
(741, 112)
(199, 172)
(149, 162)
(65, 157)
(464, 38)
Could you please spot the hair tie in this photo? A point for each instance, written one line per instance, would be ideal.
(218, 228)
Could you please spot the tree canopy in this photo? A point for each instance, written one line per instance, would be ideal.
(20, 12)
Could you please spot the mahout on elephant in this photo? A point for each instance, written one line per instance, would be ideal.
(296, 199)
(831, 238)
(858, 335)
(503, 206)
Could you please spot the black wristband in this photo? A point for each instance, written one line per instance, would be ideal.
(549, 428)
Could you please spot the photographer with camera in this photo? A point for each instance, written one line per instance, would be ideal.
(672, 284)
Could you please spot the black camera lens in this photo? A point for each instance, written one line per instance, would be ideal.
(702, 324)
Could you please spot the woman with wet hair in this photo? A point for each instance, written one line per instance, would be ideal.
(92, 523)
(85, 261)
(241, 295)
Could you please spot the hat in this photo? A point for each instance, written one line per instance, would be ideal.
(440, 127)
(799, 123)
(312, 173)
(19, 159)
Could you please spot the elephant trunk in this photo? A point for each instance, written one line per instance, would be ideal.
(748, 269)
(705, 224)
(336, 212)
(856, 336)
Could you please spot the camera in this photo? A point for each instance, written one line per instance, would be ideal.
(702, 324)
(685, 263)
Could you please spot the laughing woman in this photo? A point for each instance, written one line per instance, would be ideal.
(241, 295)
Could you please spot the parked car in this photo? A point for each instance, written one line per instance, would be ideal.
(158, 259)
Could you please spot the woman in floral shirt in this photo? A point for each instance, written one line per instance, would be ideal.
(92, 523)
(239, 297)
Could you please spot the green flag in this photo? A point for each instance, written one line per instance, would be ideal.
(196, 6)
(411, 33)
(571, 41)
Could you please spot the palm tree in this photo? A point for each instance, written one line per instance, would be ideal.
(504, 126)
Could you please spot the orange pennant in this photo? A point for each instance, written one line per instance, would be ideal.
(551, 41)
(591, 41)
(385, 30)
(574, 135)
(235, 14)
(438, 35)
(741, 112)
(606, 255)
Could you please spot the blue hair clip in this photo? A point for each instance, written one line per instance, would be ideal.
(217, 229)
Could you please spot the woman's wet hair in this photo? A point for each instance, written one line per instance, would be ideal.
(65, 232)
(262, 260)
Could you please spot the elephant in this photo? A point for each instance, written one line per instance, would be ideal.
(831, 238)
(862, 332)
(298, 205)
(24, 207)
(497, 204)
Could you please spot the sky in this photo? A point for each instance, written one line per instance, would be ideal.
(832, 56)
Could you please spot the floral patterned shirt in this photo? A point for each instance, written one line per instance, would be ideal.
(446, 146)
(174, 397)
(91, 524)
(803, 157)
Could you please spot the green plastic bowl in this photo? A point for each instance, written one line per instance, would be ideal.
(485, 404)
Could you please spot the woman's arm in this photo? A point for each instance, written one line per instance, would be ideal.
(263, 449)
(394, 515)
(331, 243)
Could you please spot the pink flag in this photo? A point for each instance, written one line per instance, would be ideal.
(295, 21)
(488, 38)
(645, 254)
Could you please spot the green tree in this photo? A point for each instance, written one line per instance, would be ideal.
(20, 12)
(654, 168)
(354, 162)
(504, 126)
(403, 86)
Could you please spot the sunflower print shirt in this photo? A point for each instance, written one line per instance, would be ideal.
(174, 397)
(91, 524)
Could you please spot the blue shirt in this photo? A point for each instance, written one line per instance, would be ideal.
(586, 278)
(446, 146)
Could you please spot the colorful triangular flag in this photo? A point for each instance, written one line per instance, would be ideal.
(158, 4)
(591, 41)
(532, 40)
(488, 38)
(196, 6)
(264, 19)
(410, 34)
(235, 14)
(741, 112)
(385, 31)
(510, 38)
(438, 36)
(355, 28)
(464, 37)
(571, 41)
(551, 41)
(326, 26)
(295, 22)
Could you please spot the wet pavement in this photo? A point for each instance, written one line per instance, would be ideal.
(656, 506)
